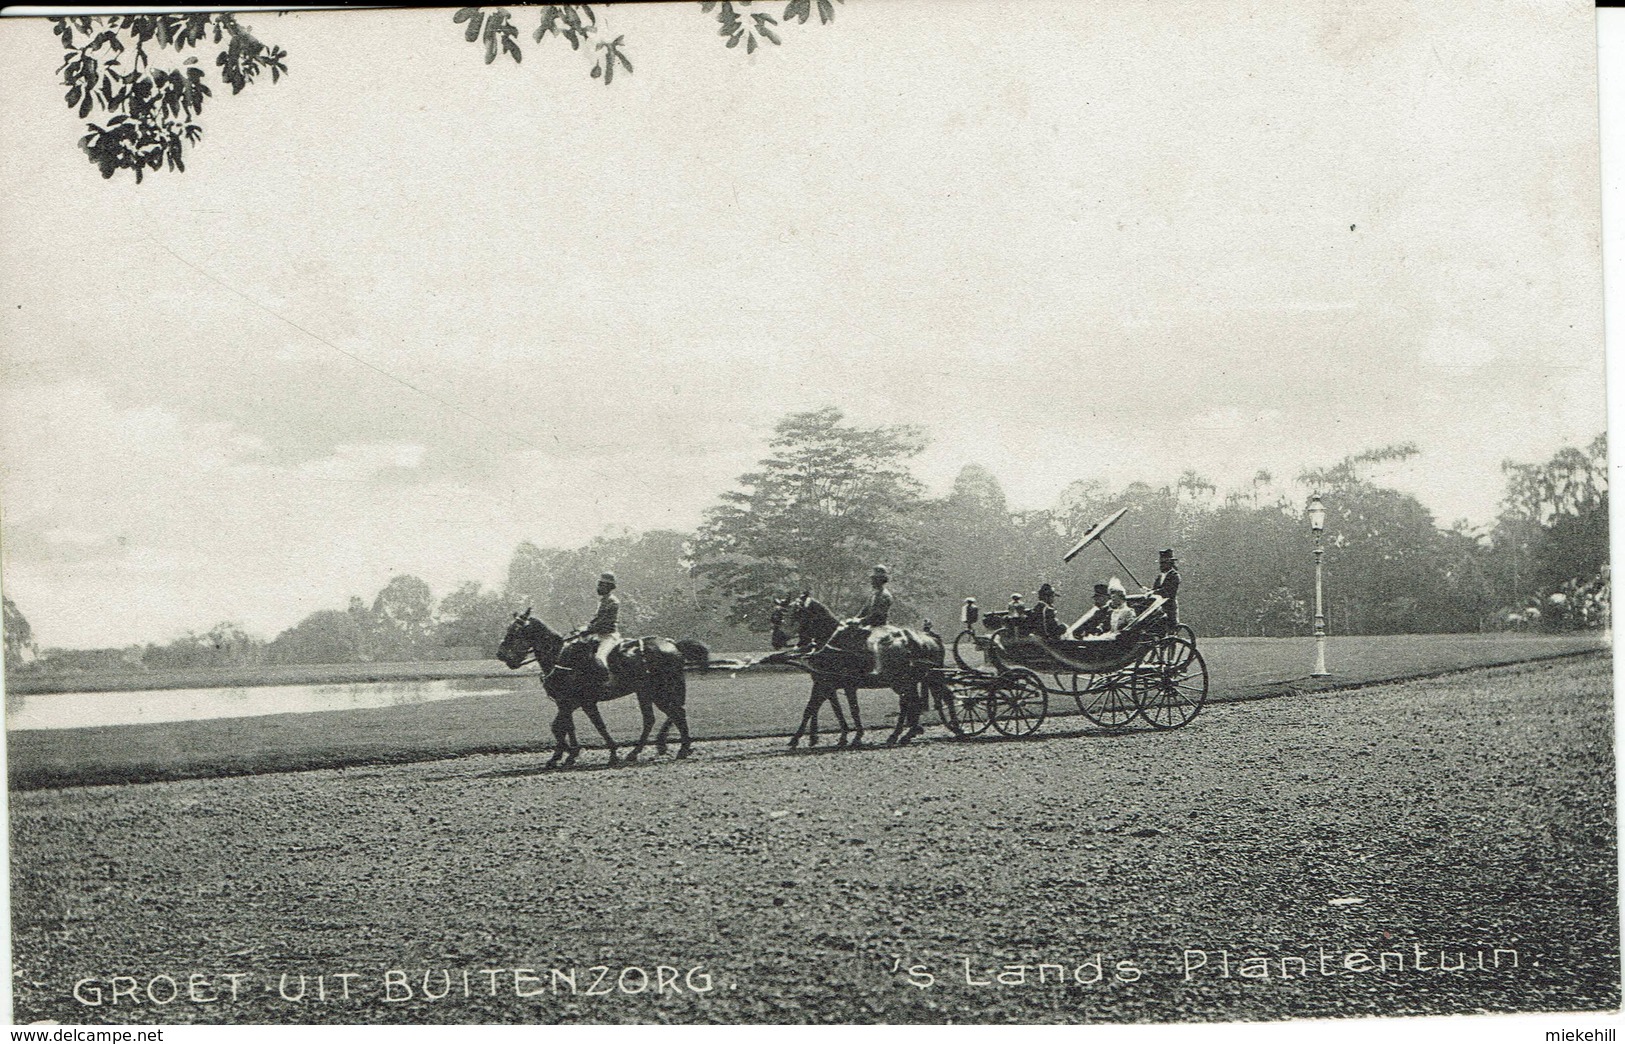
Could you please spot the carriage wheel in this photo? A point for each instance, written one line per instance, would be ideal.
(965, 708)
(965, 647)
(1022, 703)
(1109, 700)
(1171, 683)
(1184, 631)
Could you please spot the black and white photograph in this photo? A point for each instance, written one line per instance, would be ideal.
(806, 512)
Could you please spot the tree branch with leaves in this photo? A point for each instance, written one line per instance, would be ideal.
(577, 24)
(141, 111)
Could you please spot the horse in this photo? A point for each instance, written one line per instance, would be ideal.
(851, 657)
(652, 668)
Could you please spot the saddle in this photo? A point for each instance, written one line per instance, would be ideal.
(581, 654)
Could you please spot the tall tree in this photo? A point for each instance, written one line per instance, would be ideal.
(327, 636)
(471, 617)
(19, 642)
(829, 502)
(1553, 525)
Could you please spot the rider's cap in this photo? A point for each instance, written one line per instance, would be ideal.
(1102, 589)
(1116, 587)
(1045, 589)
(1167, 555)
(607, 578)
(880, 573)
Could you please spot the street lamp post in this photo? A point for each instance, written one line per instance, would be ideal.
(1317, 523)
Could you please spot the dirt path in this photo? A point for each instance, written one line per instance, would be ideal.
(1472, 814)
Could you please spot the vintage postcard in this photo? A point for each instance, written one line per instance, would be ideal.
(806, 512)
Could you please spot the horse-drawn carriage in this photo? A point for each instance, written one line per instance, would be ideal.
(1150, 669)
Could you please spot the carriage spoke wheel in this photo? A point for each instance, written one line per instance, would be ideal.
(1171, 683)
(1109, 700)
(1182, 631)
(1022, 703)
(966, 709)
(967, 650)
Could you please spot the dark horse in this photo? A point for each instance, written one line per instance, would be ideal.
(850, 657)
(650, 667)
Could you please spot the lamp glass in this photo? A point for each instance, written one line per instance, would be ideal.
(1317, 514)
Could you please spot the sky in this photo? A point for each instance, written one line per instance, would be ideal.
(404, 310)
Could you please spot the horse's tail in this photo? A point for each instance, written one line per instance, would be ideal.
(695, 653)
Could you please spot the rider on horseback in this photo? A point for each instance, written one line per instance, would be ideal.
(878, 608)
(602, 628)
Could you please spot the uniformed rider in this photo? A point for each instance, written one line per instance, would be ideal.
(603, 628)
(876, 611)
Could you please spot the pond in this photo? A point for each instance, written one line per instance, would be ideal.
(71, 710)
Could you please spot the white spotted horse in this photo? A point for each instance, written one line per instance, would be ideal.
(851, 657)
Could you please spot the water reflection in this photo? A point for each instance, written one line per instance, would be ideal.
(71, 710)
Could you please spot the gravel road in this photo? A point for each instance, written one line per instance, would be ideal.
(1259, 864)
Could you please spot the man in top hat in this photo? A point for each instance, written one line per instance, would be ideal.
(603, 626)
(1167, 584)
(878, 608)
(1098, 619)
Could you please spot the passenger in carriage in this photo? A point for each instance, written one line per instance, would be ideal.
(1097, 620)
(1043, 614)
(1122, 614)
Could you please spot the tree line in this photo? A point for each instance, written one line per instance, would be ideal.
(832, 499)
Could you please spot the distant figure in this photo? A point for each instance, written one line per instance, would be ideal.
(603, 626)
(1098, 619)
(876, 611)
(1167, 585)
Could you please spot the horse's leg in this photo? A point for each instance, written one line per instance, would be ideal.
(808, 716)
(647, 708)
(857, 719)
(575, 740)
(597, 719)
(670, 696)
(685, 745)
(561, 737)
(902, 718)
(660, 737)
(834, 697)
(913, 704)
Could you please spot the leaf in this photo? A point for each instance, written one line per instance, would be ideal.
(750, 45)
(826, 12)
(474, 17)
